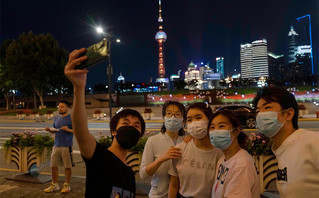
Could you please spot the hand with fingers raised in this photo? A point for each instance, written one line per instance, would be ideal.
(76, 76)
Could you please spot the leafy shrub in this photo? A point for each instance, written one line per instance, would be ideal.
(139, 147)
(105, 140)
(301, 107)
(30, 139)
(98, 111)
(27, 111)
(35, 111)
(42, 111)
(258, 145)
(147, 110)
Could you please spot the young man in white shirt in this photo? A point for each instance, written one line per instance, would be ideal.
(296, 150)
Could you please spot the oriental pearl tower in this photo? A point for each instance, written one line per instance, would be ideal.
(161, 38)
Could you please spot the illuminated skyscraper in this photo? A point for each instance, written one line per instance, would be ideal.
(292, 45)
(260, 58)
(254, 59)
(161, 38)
(220, 66)
(246, 60)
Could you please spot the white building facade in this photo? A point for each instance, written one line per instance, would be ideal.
(254, 59)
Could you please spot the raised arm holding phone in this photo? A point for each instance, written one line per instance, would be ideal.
(107, 174)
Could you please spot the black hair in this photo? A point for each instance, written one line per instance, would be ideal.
(202, 106)
(279, 95)
(67, 103)
(232, 118)
(123, 114)
(180, 107)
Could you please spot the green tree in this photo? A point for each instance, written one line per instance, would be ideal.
(36, 62)
(6, 84)
(179, 84)
(193, 84)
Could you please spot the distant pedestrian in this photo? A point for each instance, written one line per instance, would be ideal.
(148, 113)
(107, 174)
(160, 149)
(296, 150)
(62, 150)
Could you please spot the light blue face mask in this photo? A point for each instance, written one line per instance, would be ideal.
(173, 124)
(220, 138)
(268, 124)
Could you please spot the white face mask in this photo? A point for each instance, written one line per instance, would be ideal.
(198, 129)
(173, 124)
(268, 124)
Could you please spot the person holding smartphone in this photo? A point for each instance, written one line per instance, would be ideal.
(62, 151)
(107, 174)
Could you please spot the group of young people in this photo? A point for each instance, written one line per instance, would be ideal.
(209, 162)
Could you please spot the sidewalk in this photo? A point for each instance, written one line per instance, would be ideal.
(11, 188)
(14, 189)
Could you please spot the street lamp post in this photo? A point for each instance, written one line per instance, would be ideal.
(109, 69)
(109, 74)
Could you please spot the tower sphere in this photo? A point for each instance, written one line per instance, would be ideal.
(160, 35)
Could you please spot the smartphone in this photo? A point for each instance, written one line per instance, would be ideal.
(95, 53)
(54, 129)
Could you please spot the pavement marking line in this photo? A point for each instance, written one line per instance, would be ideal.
(44, 173)
(6, 169)
(21, 121)
(76, 151)
(5, 187)
(90, 129)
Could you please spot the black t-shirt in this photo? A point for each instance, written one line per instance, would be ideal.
(107, 175)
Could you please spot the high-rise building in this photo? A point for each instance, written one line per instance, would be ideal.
(303, 58)
(276, 66)
(260, 58)
(292, 45)
(202, 77)
(246, 60)
(192, 75)
(161, 38)
(175, 78)
(220, 66)
(121, 79)
(254, 60)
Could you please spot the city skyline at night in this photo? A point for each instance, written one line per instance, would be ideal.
(198, 30)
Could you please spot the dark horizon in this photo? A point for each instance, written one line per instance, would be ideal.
(196, 31)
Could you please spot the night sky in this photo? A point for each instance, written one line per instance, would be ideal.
(197, 30)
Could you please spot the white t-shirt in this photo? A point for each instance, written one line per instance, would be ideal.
(236, 177)
(195, 170)
(298, 165)
(156, 146)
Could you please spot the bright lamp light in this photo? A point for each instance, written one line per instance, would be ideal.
(99, 30)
